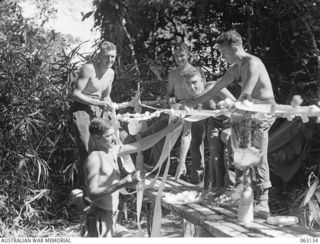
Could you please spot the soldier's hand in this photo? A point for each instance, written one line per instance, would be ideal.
(181, 170)
(133, 178)
(106, 104)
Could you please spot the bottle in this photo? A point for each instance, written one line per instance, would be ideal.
(245, 209)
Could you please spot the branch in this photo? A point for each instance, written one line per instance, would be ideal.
(131, 46)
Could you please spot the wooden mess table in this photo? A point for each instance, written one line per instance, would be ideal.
(217, 221)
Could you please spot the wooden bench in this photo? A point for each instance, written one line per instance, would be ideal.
(220, 221)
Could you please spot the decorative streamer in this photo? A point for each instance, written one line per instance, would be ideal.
(261, 111)
(157, 215)
(140, 190)
(169, 142)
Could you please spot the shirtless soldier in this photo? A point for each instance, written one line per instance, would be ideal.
(252, 76)
(102, 175)
(92, 95)
(193, 133)
(219, 173)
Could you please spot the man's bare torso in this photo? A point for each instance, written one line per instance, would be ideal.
(109, 174)
(97, 83)
(263, 88)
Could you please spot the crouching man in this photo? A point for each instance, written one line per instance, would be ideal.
(102, 175)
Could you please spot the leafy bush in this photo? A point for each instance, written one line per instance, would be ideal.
(37, 154)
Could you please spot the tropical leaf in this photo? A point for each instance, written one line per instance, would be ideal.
(310, 192)
(317, 195)
(314, 210)
(39, 194)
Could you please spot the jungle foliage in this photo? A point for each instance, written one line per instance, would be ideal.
(37, 152)
(284, 34)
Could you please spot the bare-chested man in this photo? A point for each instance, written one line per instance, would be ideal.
(219, 173)
(102, 175)
(251, 74)
(92, 95)
(193, 133)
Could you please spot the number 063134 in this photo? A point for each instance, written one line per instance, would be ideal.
(309, 240)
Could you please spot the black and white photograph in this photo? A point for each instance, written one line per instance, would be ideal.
(159, 119)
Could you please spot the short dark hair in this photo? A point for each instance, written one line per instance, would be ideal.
(229, 37)
(106, 46)
(181, 47)
(191, 72)
(99, 126)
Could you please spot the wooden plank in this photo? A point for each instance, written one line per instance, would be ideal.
(191, 214)
(231, 217)
(261, 226)
(290, 230)
(212, 226)
(223, 211)
(205, 211)
(202, 216)
(197, 215)
(294, 230)
(299, 228)
(221, 221)
(222, 228)
(191, 230)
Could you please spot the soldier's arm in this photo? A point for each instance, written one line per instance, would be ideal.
(223, 82)
(222, 94)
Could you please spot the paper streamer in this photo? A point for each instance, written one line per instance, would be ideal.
(260, 110)
(167, 147)
(173, 137)
(140, 190)
(126, 160)
(157, 215)
(267, 110)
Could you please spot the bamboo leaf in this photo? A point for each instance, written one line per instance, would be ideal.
(314, 210)
(310, 192)
(22, 163)
(17, 126)
(39, 169)
(51, 142)
(317, 194)
(30, 155)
